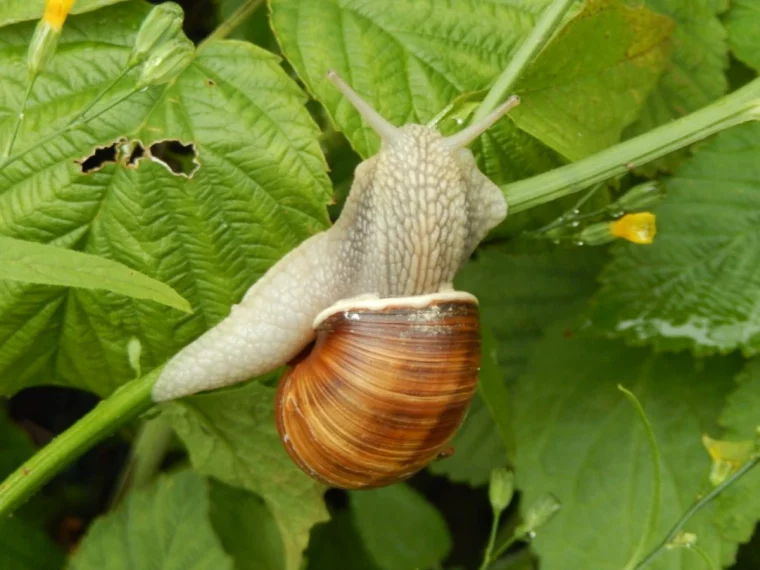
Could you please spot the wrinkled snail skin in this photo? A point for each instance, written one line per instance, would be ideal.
(415, 213)
(383, 389)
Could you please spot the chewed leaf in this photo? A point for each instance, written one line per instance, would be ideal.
(50, 265)
(202, 184)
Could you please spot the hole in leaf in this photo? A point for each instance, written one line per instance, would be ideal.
(210, 82)
(180, 159)
(137, 153)
(99, 158)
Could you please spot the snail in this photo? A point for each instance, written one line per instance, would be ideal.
(383, 353)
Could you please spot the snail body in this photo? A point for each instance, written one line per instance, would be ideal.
(383, 390)
(416, 212)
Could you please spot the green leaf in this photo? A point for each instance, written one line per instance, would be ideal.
(738, 507)
(48, 265)
(407, 59)
(165, 527)
(336, 545)
(260, 189)
(399, 528)
(580, 439)
(742, 23)
(23, 545)
(695, 75)
(19, 10)
(247, 529)
(589, 82)
(16, 446)
(697, 285)
(523, 287)
(231, 436)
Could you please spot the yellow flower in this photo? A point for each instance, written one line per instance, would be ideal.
(637, 228)
(56, 12)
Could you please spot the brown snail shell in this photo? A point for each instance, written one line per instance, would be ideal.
(382, 390)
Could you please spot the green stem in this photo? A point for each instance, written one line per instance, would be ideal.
(694, 509)
(738, 107)
(20, 117)
(67, 128)
(544, 28)
(506, 545)
(123, 405)
(148, 450)
(226, 28)
(491, 540)
(656, 504)
(100, 95)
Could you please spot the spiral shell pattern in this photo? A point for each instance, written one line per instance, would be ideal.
(382, 390)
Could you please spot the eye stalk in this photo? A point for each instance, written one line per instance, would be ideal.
(389, 133)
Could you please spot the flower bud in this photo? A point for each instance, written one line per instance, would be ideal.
(542, 511)
(726, 456)
(596, 234)
(166, 62)
(639, 197)
(163, 23)
(501, 488)
(56, 12)
(42, 47)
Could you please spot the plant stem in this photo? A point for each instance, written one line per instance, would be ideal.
(20, 117)
(507, 544)
(148, 450)
(226, 28)
(123, 405)
(491, 540)
(71, 126)
(544, 28)
(100, 95)
(694, 509)
(656, 504)
(733, 109)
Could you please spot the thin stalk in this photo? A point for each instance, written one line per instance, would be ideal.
(740, 106)
(20, 117)
(487, 557)
(228, 26)
(82, 114)
(67, 128)
(694, 509)
(123, 405)
(148, 450)
(543, 30)
(507, 544)
(656, 504)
